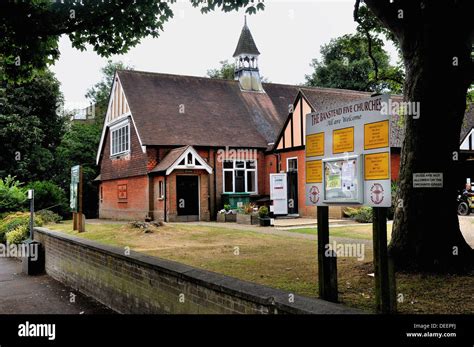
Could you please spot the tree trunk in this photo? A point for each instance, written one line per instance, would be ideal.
(436, 47)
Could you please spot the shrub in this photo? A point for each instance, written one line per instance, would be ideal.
(247, 208)
(18, 235)
(48, 194)
(12, 195)
(263, 212)
(14, 220)
(362, 215)
(48, 216)
(227, 207)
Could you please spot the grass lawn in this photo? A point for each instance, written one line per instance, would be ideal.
(284, 262)
(362, 231)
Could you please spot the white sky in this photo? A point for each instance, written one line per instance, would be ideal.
(288, 35)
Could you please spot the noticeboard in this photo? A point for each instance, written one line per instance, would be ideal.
(74, 188)
(342, 180)
(348, 154)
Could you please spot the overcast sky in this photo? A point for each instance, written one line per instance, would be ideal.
(288, 35)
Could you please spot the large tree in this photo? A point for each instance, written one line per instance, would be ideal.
(435, 39)
(31, 127)
(30, 30)
(345, 64)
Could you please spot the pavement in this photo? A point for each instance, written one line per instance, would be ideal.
(22, 294)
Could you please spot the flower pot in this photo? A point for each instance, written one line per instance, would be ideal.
(226, 218)
(264, 222)
(247, 219)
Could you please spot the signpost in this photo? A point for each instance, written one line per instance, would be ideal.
(348, 163)
(76, 198)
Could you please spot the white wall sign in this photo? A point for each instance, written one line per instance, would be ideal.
(278, 193)
(428, 180)
(348, 154)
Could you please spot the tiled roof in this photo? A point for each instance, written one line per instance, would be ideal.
(176, 110)
(246, 43)
(169, 159)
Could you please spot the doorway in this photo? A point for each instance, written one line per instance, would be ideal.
(187, 197)
(292, 177)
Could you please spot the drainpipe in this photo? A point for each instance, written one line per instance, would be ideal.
(164, 200)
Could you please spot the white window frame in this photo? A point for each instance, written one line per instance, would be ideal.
(245, 169)
(115, 128)
(288, 162)
(161, 189)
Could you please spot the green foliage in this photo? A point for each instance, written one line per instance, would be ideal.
(30, 30)
(345, 64)
(263, 212)
(362, 215)
(48, 216)
(49, 195)
(18, 235)
(12, 195)
(225, 72)
(227, 207)
(79, 146)
(31, 128)
(13, 220)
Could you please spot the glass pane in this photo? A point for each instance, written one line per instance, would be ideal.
(240, 164)
(228, 181)
(239, 181)
(228, 164)
(292, 164)
(250, 164)
(251, 181)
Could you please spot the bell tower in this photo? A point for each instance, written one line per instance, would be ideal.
(246, 62)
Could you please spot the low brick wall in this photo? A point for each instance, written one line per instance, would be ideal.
(138, 283)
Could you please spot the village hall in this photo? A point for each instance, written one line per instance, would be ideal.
(177, 148)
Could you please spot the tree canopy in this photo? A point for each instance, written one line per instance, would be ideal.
(345, 64)
(30, 30)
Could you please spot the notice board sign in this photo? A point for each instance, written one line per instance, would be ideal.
(348, 154)
(75, 178)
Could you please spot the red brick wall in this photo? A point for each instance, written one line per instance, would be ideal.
(395, 163)
(129, 165)
(135, 206)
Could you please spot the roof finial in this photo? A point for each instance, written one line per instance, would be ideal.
(245, 20)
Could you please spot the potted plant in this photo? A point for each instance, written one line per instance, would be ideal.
(247, 215)
(226, 215)
(263, 216)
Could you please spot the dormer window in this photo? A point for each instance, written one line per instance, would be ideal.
(120, 138)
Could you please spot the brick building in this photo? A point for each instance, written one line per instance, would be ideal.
(173, 145)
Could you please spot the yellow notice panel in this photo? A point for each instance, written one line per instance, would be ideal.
(315, 145)
(376, 166)
(343, 140)
(376, 135)
(314, 171)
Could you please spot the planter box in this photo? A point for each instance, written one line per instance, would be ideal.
(247, 219)
(226, 218)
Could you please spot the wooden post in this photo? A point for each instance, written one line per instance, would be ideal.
(327, 262)
(385, 287)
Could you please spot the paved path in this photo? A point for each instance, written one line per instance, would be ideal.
(22, 294)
